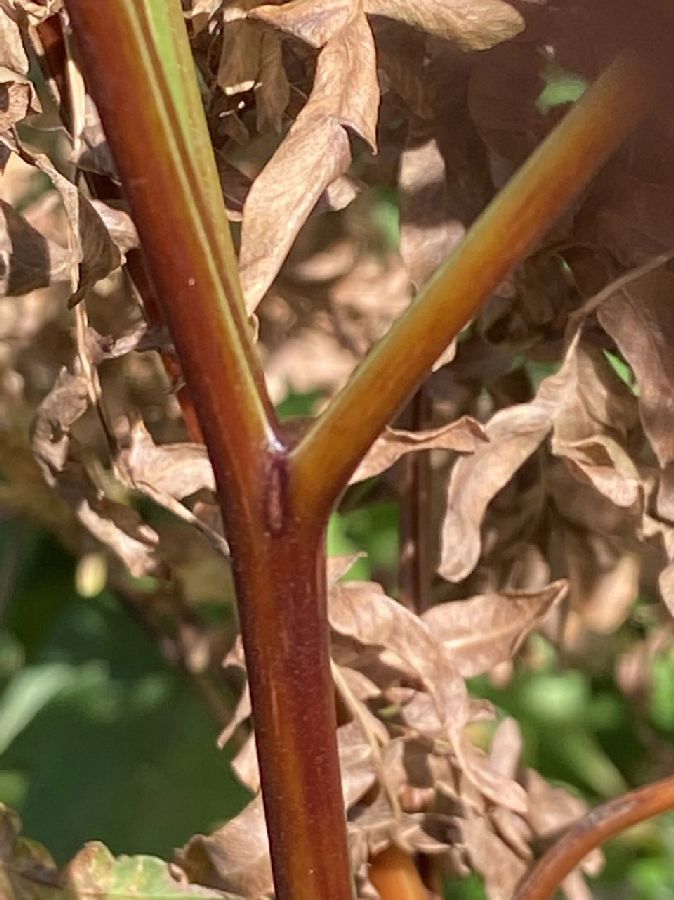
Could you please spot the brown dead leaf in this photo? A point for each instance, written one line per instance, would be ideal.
(96, 252)
(641, 321)
(462, 436)
(39, 10)
(606, 466)
(12, 54)
(551, 809)
(485, 630)
(503, 90)
(177, 470)
(472, 24)
(65, 403)
(589, 412)
(117, 526)
(28, 260)
(311, 22)
(314, 153)
(399, 50)
(239, 57)
(272, 91)
(603, 578)
(167, 474)
(236, 856)
(630, 209)
(500, 866)
(91, 150)
(17, 99)
(428, 232)
(513, 435)
(233, 858)
(362, 612)
(119, 225)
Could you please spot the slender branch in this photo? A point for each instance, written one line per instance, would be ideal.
(414, 490)
(531, 202)
(591, 831)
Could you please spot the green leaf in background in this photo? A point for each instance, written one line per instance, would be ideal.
(561, 86)
(96, 873)
(27, 694)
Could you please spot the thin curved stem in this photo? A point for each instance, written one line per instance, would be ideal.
(591, 831)
(531, 202)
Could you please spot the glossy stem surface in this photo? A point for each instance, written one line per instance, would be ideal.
(519, 215)
(278, 558)
(593, 830)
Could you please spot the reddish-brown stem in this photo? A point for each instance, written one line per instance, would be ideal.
(591, 831)
(277, 554)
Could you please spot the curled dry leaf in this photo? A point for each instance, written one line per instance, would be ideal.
(513, 435)
(587, 410)
(91, 151)
(399, 49)
(177, 470)
(314, 153)
(641, 321)
(117, 526)
(28, 260)
(272, 90)
(95, 253)
(463, 436)
(485, 630)
(236, 856)
(472, 24)
(427, 232)
(169, 473)
(362, 612)
(551, 809)
(233, 858)
(12, 54)
(500, 866)
(603, 578)
(239, 57)
(119, 225)
(17, 99)
(311, 22)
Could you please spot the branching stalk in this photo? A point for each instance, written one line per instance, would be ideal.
(531, 202)
(275, 500)
(591, 831)
(147, 96)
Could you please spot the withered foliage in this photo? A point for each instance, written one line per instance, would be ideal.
(356, 141)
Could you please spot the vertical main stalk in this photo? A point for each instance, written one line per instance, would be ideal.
(138, 66)
(281, 590)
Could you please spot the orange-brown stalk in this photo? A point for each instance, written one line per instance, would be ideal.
(594, 829)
